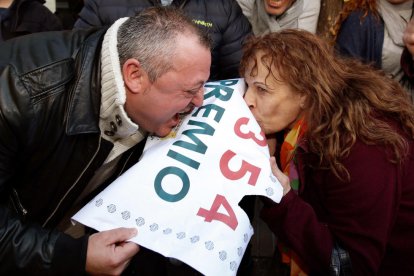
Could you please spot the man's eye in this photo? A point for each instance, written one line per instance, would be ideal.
(191, 94)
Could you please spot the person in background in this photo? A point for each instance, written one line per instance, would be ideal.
(407, 56)
(342, 134)
(268, 16)
(372, 31)
(75, 110)
(69, 14)
(223, 20)
(21, 17)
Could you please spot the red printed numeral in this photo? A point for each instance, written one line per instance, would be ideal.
(249, 135)
(212, 214)
(245, 167)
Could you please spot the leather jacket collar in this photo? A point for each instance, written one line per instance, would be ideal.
(79, 110)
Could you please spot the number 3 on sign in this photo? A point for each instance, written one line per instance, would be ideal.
(230, 219)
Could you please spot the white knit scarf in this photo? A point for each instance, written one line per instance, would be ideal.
(126, 133)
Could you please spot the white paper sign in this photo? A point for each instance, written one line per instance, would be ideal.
(183, 194)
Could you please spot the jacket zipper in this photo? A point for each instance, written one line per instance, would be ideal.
(74, 184)
(16, 201)
(125, 163)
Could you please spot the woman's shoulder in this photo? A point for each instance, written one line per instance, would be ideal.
(363, 18)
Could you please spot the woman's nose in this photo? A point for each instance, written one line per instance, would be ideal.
(248, 98)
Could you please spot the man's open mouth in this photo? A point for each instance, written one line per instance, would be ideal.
(184, 113)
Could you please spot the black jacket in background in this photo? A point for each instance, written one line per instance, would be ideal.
(26, 17)
(222, 19)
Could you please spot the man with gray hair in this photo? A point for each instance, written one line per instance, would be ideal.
(75, 109)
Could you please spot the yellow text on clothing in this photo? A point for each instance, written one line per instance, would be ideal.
(203, 23)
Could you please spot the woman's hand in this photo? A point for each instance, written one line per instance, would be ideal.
(283, 178)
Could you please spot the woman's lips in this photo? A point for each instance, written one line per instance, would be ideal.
(275, 4)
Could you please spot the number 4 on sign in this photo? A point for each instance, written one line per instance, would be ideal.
(213, 214)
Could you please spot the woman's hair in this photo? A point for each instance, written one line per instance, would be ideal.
(364, 6)
(151, 38)
(345, 99)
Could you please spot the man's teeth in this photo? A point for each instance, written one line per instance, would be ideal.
(185, 112)
(182, 115)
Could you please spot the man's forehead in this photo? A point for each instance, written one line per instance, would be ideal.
(181, 79)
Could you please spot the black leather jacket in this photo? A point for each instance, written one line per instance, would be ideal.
(222, 19)
(50, 146)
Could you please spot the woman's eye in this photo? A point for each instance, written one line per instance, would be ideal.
(261, 89)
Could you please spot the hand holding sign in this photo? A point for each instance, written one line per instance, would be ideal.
(183, 195)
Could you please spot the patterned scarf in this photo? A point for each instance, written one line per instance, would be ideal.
(288, 166)
(287, 152)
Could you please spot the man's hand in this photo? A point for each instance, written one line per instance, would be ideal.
(408, 37)
(108, 252)
(283, 178)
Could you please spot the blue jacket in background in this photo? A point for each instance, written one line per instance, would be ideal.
(361, 37)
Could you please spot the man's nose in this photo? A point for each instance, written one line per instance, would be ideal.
(198, 98)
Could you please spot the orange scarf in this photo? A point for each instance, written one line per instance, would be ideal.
(288, 166)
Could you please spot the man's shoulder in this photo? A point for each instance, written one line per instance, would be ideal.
(28, 52)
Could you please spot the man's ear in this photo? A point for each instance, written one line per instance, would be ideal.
(134, 76)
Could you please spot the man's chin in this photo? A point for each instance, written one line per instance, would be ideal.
(164, 132)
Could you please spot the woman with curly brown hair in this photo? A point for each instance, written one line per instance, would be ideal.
(346, 155)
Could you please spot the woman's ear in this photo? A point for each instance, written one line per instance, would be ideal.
(134, 76)
(302, 101)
